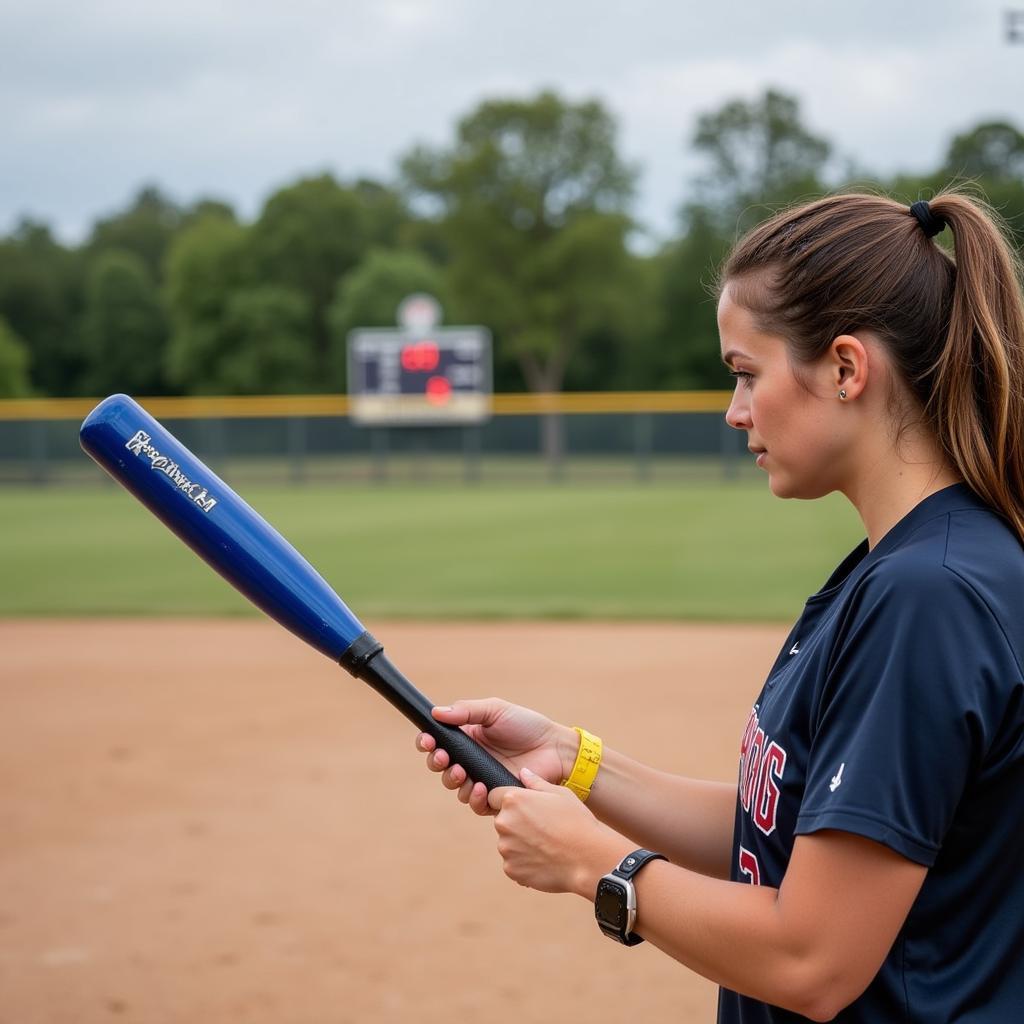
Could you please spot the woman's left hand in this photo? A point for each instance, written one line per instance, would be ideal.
(548, 839)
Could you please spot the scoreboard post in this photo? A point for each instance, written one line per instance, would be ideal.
(419, 373)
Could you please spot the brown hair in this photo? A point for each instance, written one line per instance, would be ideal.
(954, 327)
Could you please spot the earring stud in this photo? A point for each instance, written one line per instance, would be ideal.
(842, 394)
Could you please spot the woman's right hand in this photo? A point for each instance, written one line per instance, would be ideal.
(518, 737)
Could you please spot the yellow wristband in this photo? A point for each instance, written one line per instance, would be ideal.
(588, 760)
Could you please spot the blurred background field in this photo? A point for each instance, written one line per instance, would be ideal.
(696, 550)
(640, 513)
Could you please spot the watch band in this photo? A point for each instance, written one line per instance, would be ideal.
(632, 863)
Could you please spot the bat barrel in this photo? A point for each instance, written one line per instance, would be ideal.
(205, 513)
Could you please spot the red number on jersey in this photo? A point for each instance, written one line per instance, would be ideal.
(749, 866)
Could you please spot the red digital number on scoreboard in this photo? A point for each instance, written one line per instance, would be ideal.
(439, 390)
(421, 357)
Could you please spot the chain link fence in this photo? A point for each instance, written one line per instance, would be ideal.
(638, 444)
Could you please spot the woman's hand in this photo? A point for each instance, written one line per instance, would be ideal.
(548, 840)
(518, 737)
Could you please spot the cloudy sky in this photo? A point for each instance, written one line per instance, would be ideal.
(235, 98)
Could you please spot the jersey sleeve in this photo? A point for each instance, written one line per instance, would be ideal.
(908, 707)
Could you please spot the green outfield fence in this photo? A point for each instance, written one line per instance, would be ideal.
(640, 436)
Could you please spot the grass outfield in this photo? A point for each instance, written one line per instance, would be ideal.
(693, 551)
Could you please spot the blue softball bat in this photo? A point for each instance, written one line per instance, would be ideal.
(224, 531)
(232, 538)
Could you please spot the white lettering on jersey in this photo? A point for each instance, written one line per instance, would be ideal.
(762, 763)
(837, 779)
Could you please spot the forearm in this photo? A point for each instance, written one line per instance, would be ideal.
(732, 933)
(688, 820)
(813, 945)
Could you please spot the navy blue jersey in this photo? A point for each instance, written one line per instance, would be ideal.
(895, 711)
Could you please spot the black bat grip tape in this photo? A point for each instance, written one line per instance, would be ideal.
(366, 660)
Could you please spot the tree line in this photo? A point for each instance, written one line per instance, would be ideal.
(522, 222)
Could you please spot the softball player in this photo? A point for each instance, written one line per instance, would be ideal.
(866, 866)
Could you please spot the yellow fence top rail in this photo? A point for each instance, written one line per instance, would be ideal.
(251, 406)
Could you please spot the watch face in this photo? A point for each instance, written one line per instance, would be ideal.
(610, 905)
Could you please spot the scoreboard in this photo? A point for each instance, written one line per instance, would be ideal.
(438, 376)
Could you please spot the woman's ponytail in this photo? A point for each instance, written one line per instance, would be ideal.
(975, 398)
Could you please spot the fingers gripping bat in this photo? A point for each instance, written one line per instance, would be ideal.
(254, 558)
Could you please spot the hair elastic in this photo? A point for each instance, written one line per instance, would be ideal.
(931, 223)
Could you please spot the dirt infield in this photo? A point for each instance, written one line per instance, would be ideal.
(206, 822)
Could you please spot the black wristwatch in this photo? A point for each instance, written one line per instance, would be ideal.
(615, 902)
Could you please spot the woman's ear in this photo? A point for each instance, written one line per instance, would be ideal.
(848, 365)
